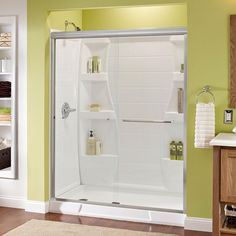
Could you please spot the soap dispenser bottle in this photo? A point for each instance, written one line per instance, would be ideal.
(91, 144)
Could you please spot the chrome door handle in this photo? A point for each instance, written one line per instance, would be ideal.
(66, 110)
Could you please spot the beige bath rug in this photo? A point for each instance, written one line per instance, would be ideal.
(52, 228)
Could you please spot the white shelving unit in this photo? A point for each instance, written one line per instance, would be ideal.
(8, 129)
(95, 88)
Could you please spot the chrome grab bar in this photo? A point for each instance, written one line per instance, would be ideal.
(148, 121)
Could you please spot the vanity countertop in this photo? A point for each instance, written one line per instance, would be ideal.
(224, 139)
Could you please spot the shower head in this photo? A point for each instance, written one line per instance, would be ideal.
(67, 23)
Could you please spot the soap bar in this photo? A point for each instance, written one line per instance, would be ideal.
(94, 107)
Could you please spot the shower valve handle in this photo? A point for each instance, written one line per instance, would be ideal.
(66, 110)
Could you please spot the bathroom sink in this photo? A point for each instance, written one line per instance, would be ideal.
(224, 139)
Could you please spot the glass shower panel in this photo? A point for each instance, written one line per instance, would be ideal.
(114, 148)
(149, 79)
(66, 121)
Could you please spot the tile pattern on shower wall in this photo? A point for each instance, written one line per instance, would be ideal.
(144, 69)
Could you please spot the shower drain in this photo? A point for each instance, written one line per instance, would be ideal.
(116, 203)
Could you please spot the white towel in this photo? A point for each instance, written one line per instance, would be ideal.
(204, 124)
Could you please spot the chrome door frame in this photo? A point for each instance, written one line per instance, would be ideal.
(111, 34)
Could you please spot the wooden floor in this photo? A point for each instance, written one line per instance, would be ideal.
(11, 218)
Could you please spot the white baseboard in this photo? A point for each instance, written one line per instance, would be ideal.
(7, 201)
(117, 213)
(37, 207)
(198, 224)
(70, 208)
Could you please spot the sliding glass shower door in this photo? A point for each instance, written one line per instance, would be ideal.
(119, 120)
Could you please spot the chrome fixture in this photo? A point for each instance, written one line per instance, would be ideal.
(67, 23)
(205, 90)
(66, 110)
(149, 121)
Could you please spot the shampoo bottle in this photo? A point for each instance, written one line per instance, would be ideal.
(173, 150)
(180, 151)
(91, 144)
(180, 100)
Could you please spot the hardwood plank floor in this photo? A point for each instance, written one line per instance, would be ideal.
(10, 218)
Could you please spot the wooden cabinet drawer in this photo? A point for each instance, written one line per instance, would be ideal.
(228, 175)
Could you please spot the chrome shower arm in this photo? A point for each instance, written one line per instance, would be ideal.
(73, 24)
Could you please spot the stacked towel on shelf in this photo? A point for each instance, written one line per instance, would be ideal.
(5, 114)
(5, 39)
(4, 143)
(5, 89)
(204, 124)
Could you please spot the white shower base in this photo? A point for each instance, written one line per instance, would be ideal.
(134, 197)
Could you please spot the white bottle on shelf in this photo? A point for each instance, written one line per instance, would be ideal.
(98, 147)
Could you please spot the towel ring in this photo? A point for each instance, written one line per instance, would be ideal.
(205, 89)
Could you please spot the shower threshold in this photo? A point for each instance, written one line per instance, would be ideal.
(120, 195)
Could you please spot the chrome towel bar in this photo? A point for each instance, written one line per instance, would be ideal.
(148, 121)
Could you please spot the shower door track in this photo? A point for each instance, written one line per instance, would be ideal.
(112, 34)
(117, 33)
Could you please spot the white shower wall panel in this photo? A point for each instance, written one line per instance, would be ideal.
(146, 64)
(66, 137)
(145, 77)
(142, 110)
(145, 47)
(160, 80)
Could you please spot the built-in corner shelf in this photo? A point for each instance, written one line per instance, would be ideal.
(167, 160)
(100, 156)
(101, 115)
(95, 89)
(175, 117)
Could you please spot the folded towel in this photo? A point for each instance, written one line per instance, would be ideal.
(204, 124)
(5, 110)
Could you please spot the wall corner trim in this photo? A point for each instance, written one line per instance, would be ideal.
(198, 224)
(37, 207)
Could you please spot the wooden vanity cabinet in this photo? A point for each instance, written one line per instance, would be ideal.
(224, 187)
(228, 175)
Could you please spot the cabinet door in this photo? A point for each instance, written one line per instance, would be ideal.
(228, 175)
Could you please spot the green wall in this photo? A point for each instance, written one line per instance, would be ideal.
(208, 53)
(56, 19)
(135, 17)
(208, 63)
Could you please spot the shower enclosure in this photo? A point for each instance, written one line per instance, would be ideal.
(128, 88)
